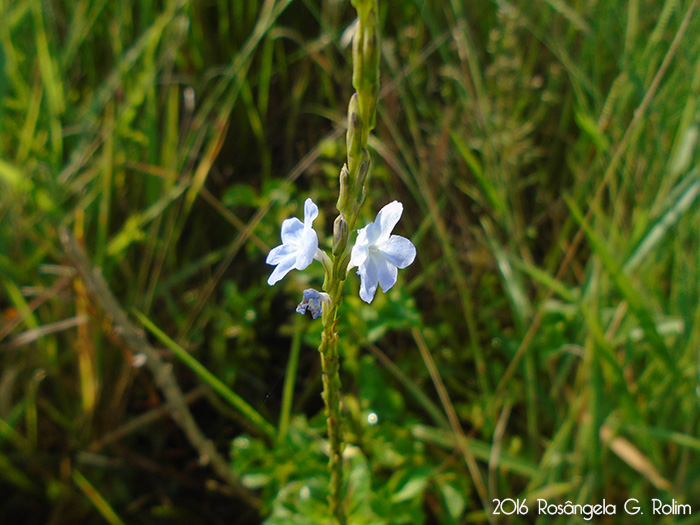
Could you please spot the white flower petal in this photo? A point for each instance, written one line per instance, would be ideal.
(292, 230)
(307, 250)
(376, 271)
(399, 251)
(310, 212)
(386, 273)
(371, 232)
(282, 269)
(368, 282)
(358, 255)
(362, 238)
(386, 219)
(279, 253)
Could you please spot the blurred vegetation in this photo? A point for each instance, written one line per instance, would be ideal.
(545, 153)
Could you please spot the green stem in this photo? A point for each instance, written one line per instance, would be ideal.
(353, 176)
(331, 397)
(330, 363)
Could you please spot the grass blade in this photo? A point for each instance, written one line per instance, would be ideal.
(96, 498)
(263, 426)
(290, 377)
(636, 300)
(682, 202)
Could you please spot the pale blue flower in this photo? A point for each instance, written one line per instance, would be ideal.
(378, 255)
(299, 244)
(312, 300)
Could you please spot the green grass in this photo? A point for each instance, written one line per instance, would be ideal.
(545, 153)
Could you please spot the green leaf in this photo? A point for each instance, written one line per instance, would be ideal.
(413, 488)
(682, 199)
(240, 195)
(454, 500)
(9, 174)
(590, 127)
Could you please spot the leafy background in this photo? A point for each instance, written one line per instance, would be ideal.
(545, 153)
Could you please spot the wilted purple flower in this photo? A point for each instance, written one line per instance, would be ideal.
(312, 300)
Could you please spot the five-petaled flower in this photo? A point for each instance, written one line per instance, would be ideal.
(299, 244)
(378, 255)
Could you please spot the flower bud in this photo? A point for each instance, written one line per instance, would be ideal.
(362, 172)
(343, 190)
(340, 235)
(366, 54)
(359, 200)
(354, 134)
